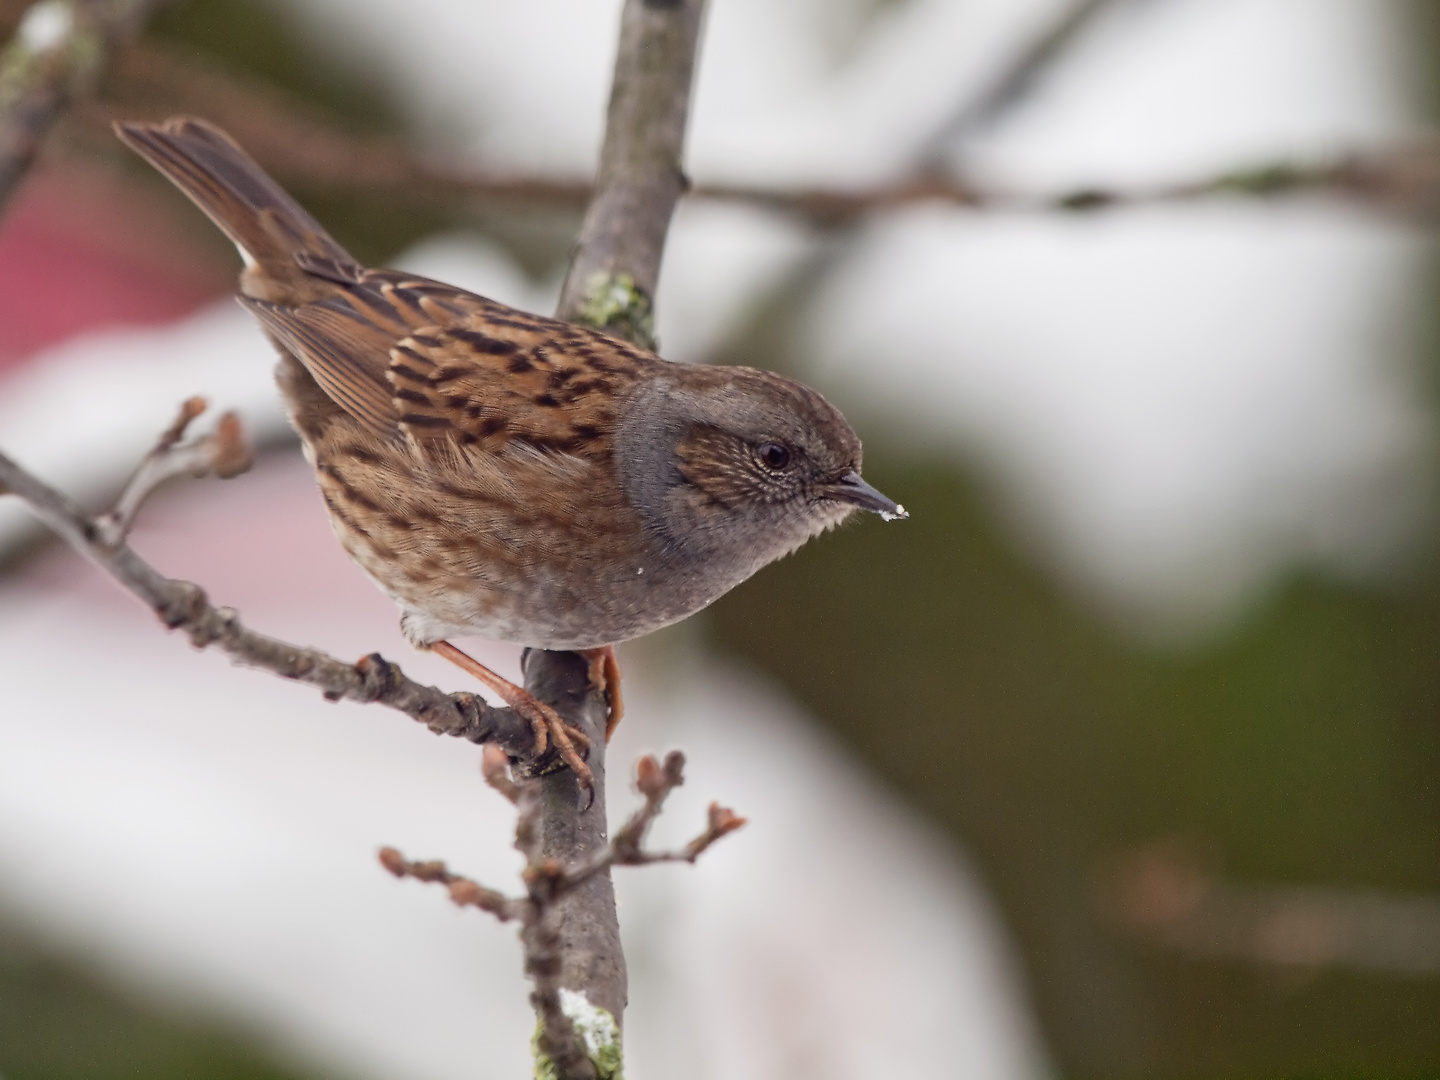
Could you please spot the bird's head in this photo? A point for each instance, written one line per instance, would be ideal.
(740, 465)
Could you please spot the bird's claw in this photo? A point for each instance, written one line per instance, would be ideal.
(550, 728)
(603, 675)
(544, 721)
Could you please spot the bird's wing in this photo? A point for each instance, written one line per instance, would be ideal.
(500, 377)
(442, 367)
(345, 354)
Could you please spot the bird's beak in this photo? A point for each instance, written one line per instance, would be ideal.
(852, 489)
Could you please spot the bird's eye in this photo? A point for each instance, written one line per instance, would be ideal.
(775, 455)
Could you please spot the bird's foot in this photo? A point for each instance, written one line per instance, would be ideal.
(548, 725)
(604, 675)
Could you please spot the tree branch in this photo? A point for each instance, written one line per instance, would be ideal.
(611, 281)
(57, 53)
(576, 949)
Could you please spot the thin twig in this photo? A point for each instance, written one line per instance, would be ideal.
(546, 878)
(463, 891)
(495, 766)
(223, 453)
(655, 782)
(542, 936)
(1402, 179)
(59, 49)
(549, 882)
(183, 605)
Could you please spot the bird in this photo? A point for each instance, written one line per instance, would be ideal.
(507, 475)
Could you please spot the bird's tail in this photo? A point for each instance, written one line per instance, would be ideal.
(280, 243)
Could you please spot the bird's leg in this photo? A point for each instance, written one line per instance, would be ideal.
(605, 677)
(545, 721)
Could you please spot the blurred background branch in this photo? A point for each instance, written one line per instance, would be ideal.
(1013, 82)
(305, 144)
(1170, 894)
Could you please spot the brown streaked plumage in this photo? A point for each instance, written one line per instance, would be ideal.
(507, 475)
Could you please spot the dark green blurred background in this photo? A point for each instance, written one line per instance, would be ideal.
(1300, 747)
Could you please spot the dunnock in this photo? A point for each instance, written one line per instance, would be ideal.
(506, 475)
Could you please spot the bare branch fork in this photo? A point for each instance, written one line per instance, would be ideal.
(582, 1040)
